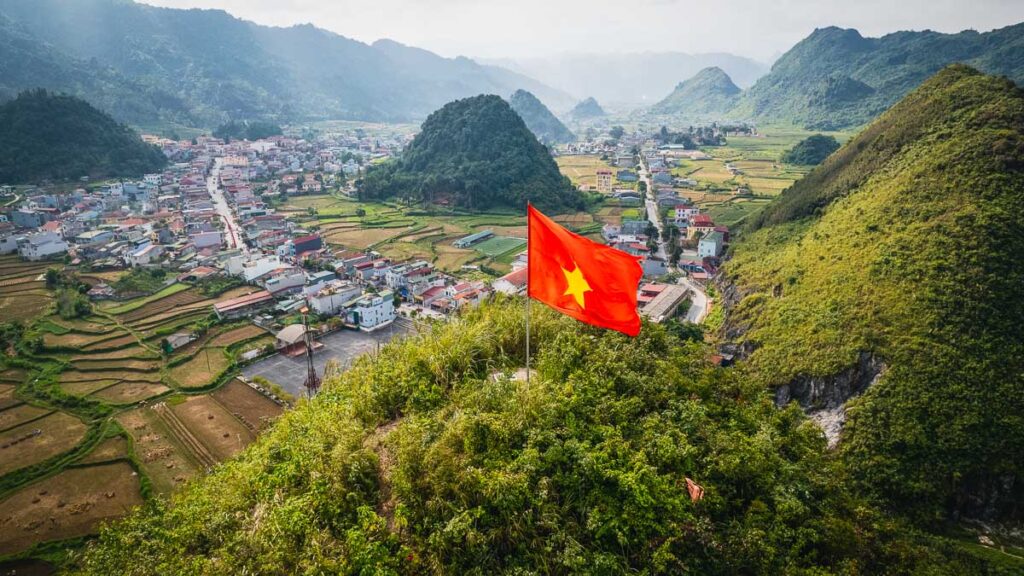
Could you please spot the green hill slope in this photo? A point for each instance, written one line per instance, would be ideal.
(900, 261)
(420, 461)
(476, 153)
(544, 125)
(709, 92)
(836, 78)
(586, 110)
(48, 136)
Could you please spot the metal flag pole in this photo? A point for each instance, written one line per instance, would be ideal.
(527, 294)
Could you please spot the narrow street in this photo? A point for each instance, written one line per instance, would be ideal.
(699, 302)
(231, 230)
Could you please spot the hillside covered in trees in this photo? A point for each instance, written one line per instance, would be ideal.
(147, 64)
(708, 93)
(474, 153)
(892, 276)
(57, 137)
(586, 109)
(544, 125)
(836, 78)
(429, 459)
(811, 151)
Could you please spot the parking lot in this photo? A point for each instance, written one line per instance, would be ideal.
(343, 347)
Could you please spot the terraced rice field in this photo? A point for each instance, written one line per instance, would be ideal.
(213, 426)
(255, 410)
(201, 369)
(236, 335)
(115, 448)
(164, 460)
(128, 392)
(39, 440)
(70, 504)
(20, 414)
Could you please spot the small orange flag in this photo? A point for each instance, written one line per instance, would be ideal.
(591, 282)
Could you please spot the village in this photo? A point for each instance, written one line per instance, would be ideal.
(213, 217)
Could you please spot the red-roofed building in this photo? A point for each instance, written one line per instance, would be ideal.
(237, 307)
(514, 283)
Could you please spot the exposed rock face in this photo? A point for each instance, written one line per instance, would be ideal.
(824, 398)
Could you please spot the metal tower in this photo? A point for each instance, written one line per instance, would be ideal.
(312, 381)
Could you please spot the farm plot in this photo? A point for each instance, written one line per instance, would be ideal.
(582, 170)
(19, 415)
(255, 410)
(86, 387)
(128, 392)
(38, 440)
(70, 504)
(173, 302)
(77, 376)
(129, 364)
(201, 369)
(166, 463)
(132, 352)
(119, 340)
(12, 375)
(114, 448)
(135, 304)
(237, 335)
(23, 306)
(220, 432)
(7, 397)
(499, 245)
(362, 238)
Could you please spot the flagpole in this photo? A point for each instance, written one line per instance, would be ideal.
(527, 294)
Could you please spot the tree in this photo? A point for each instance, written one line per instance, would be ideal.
(617, 132)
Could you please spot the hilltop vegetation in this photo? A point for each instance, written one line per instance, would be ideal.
(476, 153)
(836, 78)
(204, 67)
(51, 136)
(811, 151)
(903, 251)
(544, 125)
(710, 92)
(586, 110)
(420, 460)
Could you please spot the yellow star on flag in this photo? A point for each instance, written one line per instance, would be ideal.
(577, 284)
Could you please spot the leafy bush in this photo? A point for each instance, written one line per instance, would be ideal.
(812, 150)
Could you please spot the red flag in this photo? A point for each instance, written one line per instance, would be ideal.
(591, 282)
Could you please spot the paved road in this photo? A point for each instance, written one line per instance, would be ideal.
(342, 347)
(698, 303)
(652, 207)
(231, 229)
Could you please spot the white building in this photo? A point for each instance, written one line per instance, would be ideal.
(254, 267)
(42, 245)
(333, 297)
(512, 284)
(711, 245)
(206, 239)
(145, 255)
(374, 311)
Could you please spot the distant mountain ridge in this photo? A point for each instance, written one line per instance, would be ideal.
(630, 79)
(836, 78)
(205, 67)
(711, 91)
(56, 137)
(544, 125)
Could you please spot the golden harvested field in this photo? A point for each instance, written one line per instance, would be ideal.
(23, 306)
(237, 335)
(20, 414)
(57, 433)
(132, 365)
(165, 462)
(362, 238)
(7, 397)
(76, 376)
(120, 340)
(110, 449)
(201, 369)
(93, 325)
(13, 375)
(130, 392)
(72, 503)
(84, 388)
(169, 303)
(399, 251)
(582, 169)
(254, 409)
(131, 352)
(451, 258)
(220, 432)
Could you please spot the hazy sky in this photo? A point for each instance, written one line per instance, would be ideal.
(519, 28)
